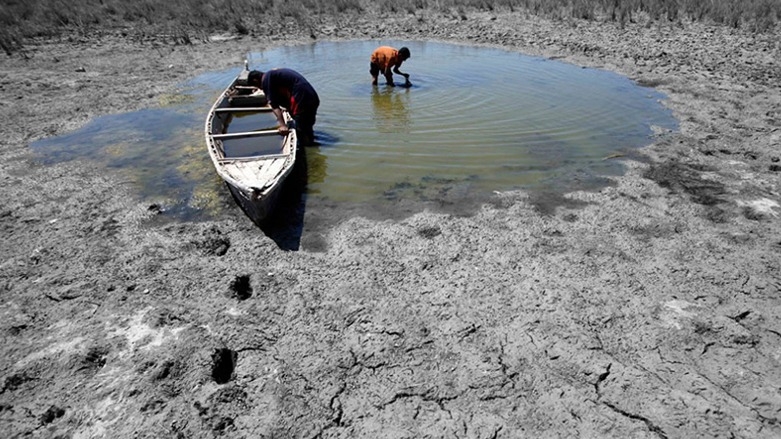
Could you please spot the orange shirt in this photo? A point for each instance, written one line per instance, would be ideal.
(386, 57)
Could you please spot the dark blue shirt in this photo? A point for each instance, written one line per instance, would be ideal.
(287, 88)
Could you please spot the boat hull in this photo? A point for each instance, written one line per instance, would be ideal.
(253, 163)
(258, 209)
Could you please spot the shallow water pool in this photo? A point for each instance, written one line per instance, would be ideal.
(475, 121)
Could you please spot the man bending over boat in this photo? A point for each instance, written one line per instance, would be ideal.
(288, 88)
(387, 60)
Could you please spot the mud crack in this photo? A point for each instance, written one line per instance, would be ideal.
(648, 423)
(601, 378)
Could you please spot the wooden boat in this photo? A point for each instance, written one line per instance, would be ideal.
(246, 148)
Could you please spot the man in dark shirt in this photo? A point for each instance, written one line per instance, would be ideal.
(287, 88)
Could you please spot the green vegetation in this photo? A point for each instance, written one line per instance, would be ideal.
(21, 20)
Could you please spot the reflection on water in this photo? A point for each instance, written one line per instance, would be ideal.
(317, 166)
(477, 120)
(389, 110)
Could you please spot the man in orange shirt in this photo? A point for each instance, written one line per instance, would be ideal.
(387, 60)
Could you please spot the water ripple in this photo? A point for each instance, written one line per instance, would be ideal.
(484, 115)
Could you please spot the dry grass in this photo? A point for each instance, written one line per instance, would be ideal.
(21, 20)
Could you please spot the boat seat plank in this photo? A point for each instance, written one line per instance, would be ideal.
(252, 158)
(241, 109)
(245, 134)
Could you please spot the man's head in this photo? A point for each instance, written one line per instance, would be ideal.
(404, 53)
(254, 78)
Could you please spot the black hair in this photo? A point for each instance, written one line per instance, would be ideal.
(255, 76)
(404, 52)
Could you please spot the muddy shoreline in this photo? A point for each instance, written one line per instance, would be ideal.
(649, 308)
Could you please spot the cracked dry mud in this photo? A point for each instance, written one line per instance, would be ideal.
(648, 308)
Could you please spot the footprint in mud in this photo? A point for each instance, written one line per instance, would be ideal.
(240, 288)
(223, 365)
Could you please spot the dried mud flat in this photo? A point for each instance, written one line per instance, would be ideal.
(649, 308)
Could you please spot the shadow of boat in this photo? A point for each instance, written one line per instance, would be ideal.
(285, 223)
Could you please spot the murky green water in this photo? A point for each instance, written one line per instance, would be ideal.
(476, 120)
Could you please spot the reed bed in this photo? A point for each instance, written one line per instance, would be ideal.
(21, 20)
